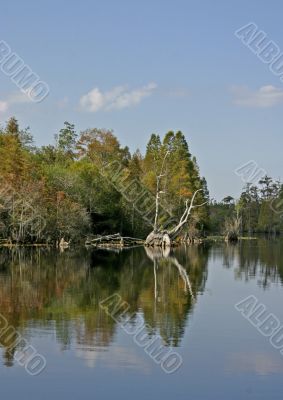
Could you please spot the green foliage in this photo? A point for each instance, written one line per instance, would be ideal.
(181, 176)
(88, 184)
(259, 207)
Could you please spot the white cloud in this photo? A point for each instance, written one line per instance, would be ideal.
(13, 98)
(265, 97)
(117, 98)
(18, 98)
(3, 106)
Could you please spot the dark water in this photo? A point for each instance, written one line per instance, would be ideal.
(187, 298)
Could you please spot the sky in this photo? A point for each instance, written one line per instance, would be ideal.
(142, 67)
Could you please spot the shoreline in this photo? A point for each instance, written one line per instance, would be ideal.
(212, 238)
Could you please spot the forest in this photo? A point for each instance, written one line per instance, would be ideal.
(86, 183)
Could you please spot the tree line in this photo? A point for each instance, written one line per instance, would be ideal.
(258, 210)
(87, 184)
(66, 189)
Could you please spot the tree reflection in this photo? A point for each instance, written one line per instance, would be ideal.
(61, 292)
(259, 259)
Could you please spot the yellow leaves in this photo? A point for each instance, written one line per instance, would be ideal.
(184, 192)
(60, 196)
(100, 145)
(149, 181)
(15, 162)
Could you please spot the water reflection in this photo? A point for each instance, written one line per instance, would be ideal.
(259, 259)
(60, 292)
(262, 363)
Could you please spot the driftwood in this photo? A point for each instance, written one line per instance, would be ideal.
(5, 243)
(116, 241)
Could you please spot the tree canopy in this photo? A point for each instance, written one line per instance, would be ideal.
(87, 183)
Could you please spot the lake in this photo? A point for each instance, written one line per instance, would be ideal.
(93, 315)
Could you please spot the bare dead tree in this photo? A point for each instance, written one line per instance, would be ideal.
(185, 217)
(164, 238)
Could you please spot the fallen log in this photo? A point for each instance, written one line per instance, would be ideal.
(115, 240)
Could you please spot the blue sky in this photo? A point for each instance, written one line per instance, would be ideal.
(140, 67)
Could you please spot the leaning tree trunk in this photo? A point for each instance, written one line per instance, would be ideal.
(165, 238)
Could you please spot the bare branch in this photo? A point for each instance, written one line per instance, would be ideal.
(186, 214)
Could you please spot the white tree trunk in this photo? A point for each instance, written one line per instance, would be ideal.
(159, 238)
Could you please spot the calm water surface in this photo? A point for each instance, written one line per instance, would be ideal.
(187, 297)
